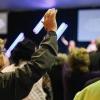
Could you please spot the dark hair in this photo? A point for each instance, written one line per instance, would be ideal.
(79, 58)
(23, 51)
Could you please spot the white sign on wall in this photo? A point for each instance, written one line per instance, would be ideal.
(3, 22)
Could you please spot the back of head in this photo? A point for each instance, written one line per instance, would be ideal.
(61, 59)
(79, 58)
(72, 45)
(98, 43)
(23, 51)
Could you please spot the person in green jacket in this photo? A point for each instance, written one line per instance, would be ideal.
(91, 92)
(17, 84)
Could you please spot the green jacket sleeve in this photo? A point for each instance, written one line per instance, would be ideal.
(16, 85)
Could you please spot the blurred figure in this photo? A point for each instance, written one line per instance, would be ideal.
(95, 57)
(71, 44)
(58, 76)
(91, 92)
(79, 62)
(79, 59)
(92, 46)
(20, 56)
(98, 43)
(47, 87)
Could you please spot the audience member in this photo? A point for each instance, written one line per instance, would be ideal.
(95, 58)
(70, 44)
(57, 76)
(20, 55)
(47, 87)
(17, 84)
(79, 62)
(91, 92)
(92, 46)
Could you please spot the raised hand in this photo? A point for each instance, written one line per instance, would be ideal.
(50, 23)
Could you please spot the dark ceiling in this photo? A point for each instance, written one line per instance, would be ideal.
(37, 4)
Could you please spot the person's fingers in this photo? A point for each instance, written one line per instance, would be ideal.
(52, 10)
(53, 13)
(50, 13)
(47, 13)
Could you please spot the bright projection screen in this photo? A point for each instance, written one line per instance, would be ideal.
(88, 24)
(3, 22)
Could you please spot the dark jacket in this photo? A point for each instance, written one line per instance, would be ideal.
(16, 85)
(95, 61)
(78, 81)
(57, 76)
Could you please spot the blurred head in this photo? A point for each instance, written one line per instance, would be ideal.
(22, 52)
(79, 58)
(61, 59)
(92, 42)
(98, 43)
(72, 45)
(92, 46)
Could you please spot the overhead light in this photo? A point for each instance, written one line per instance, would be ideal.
(13, 45)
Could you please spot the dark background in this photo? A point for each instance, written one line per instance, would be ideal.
(25, 21)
